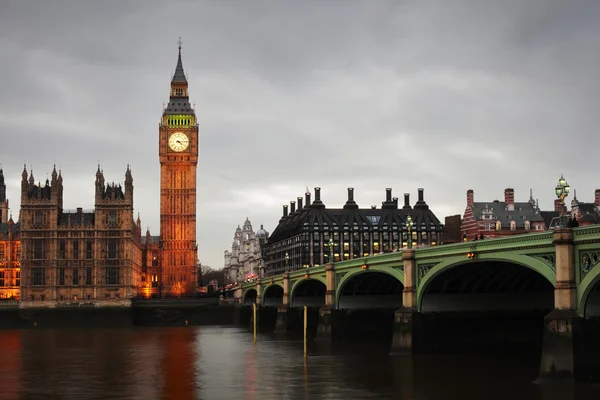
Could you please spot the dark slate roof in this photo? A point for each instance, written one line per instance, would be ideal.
(179, 76)
(589, 209)
(2, 187)
(150, 240)
(312, 218)
(16, 229)
(523, 211)
(548, 216)
(74, 218)
(179, 106)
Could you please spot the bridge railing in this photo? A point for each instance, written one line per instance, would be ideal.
(586, 234)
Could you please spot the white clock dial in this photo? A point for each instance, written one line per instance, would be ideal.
(178, 141)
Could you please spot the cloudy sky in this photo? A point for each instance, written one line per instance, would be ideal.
(444, 95)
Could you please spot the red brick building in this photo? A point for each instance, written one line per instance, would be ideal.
(501, 218)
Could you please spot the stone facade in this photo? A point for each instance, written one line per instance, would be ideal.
(88, 256)
(10, 249)
(245, 260)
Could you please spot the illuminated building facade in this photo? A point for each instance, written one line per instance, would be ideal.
(10, 249)
(78, 255)
(310, 235)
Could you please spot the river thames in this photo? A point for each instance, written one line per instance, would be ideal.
(224, 363)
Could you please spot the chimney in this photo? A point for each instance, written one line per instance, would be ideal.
(79, 210)
(350, 203)
(597, 197)
(509, 196)
(299, 203)
(285, 211)
(470, 198)
(317, 194)
(406, 200)
(557, 205)
(307, 198)
(388, 195)
(373, 207)
(350, 194)
(421, 190)
(395, 200)
(292, 207)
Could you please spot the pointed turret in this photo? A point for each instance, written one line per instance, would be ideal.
(179, 76)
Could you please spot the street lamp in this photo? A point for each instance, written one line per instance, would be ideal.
(331, 250)
(287, 258)
(409, 226)
(562, 190)
(260, 270)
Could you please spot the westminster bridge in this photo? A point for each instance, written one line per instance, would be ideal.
(534, 292)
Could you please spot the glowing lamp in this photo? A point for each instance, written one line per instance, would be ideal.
(365, 266)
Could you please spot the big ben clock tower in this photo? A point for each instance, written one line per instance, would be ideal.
(178, 153)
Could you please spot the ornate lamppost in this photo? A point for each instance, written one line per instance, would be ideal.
(260, 269)
(562, 191)
(409, 225)
(331, 250)
(287, 258)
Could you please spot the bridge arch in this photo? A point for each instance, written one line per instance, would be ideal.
(272, 295)
(525, 261)
(249, 297)
(384, 282)
(589, 290)
(308, 292)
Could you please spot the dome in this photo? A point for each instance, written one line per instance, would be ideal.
(238, 229)
(261, 232)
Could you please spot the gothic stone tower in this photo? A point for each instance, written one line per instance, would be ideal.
(178, 153)
(3, 200)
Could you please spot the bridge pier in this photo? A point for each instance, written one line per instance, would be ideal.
(407, 318)
(327, 313)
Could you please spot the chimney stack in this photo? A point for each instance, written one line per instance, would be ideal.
(292, 207)
(597, 197)
(388, 195)
(350, 194)
(317, 194)
(285, 211)
(470, 198)
(299, 203)
(307, 198)
(395, 200)
(421, 190)
(406, 200)
(509, 196)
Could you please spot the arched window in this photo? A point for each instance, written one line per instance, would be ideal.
(513, 225)
(527, 225)
(498, 225)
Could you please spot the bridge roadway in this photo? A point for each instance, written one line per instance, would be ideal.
(532, 292)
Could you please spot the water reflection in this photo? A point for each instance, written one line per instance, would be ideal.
(224, 363)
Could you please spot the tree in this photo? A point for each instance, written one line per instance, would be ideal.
(207, 274)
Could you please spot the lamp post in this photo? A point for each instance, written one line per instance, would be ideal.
(287, 258)
(562, 191)
(330, 250)
(260, 269)
(409, 226)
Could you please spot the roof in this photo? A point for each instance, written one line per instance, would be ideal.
(548, 216)
(179, 76)
(523, 211)
(179, 106)
(589, 209)
(16, 229)
(354, 219)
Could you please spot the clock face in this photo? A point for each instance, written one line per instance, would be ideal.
(178, 141)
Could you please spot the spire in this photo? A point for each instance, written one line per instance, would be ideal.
(179, 75)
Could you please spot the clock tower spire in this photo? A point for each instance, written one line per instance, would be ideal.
(178, 155)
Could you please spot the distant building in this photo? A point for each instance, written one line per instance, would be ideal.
(77, 255)
(10, 249)
(151, 266)
(246, 256)
(302, 237)
(496, 218)
(452, 229)
(586, 213)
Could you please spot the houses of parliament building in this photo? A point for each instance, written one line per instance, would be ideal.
(53, 255)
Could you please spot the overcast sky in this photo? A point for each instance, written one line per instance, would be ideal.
(444, 95)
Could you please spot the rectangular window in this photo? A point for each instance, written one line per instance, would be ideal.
(38, 249)
(62, 249)
(75, 276)
(113, 248)
(2, 252)
(18, 283)
(88, 250)
(1, 278)
(88, 276)
(76, 250)
(61, 276)
(37, 276)
(112, 275)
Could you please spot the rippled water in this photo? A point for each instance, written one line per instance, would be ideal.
(224, 363)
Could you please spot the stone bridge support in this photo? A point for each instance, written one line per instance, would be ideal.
(282, 325)
(563, 354)
(406, 319)
(326, 326)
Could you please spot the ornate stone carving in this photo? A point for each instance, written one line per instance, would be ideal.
(338, 277)
(587, 261)
(423, 270)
